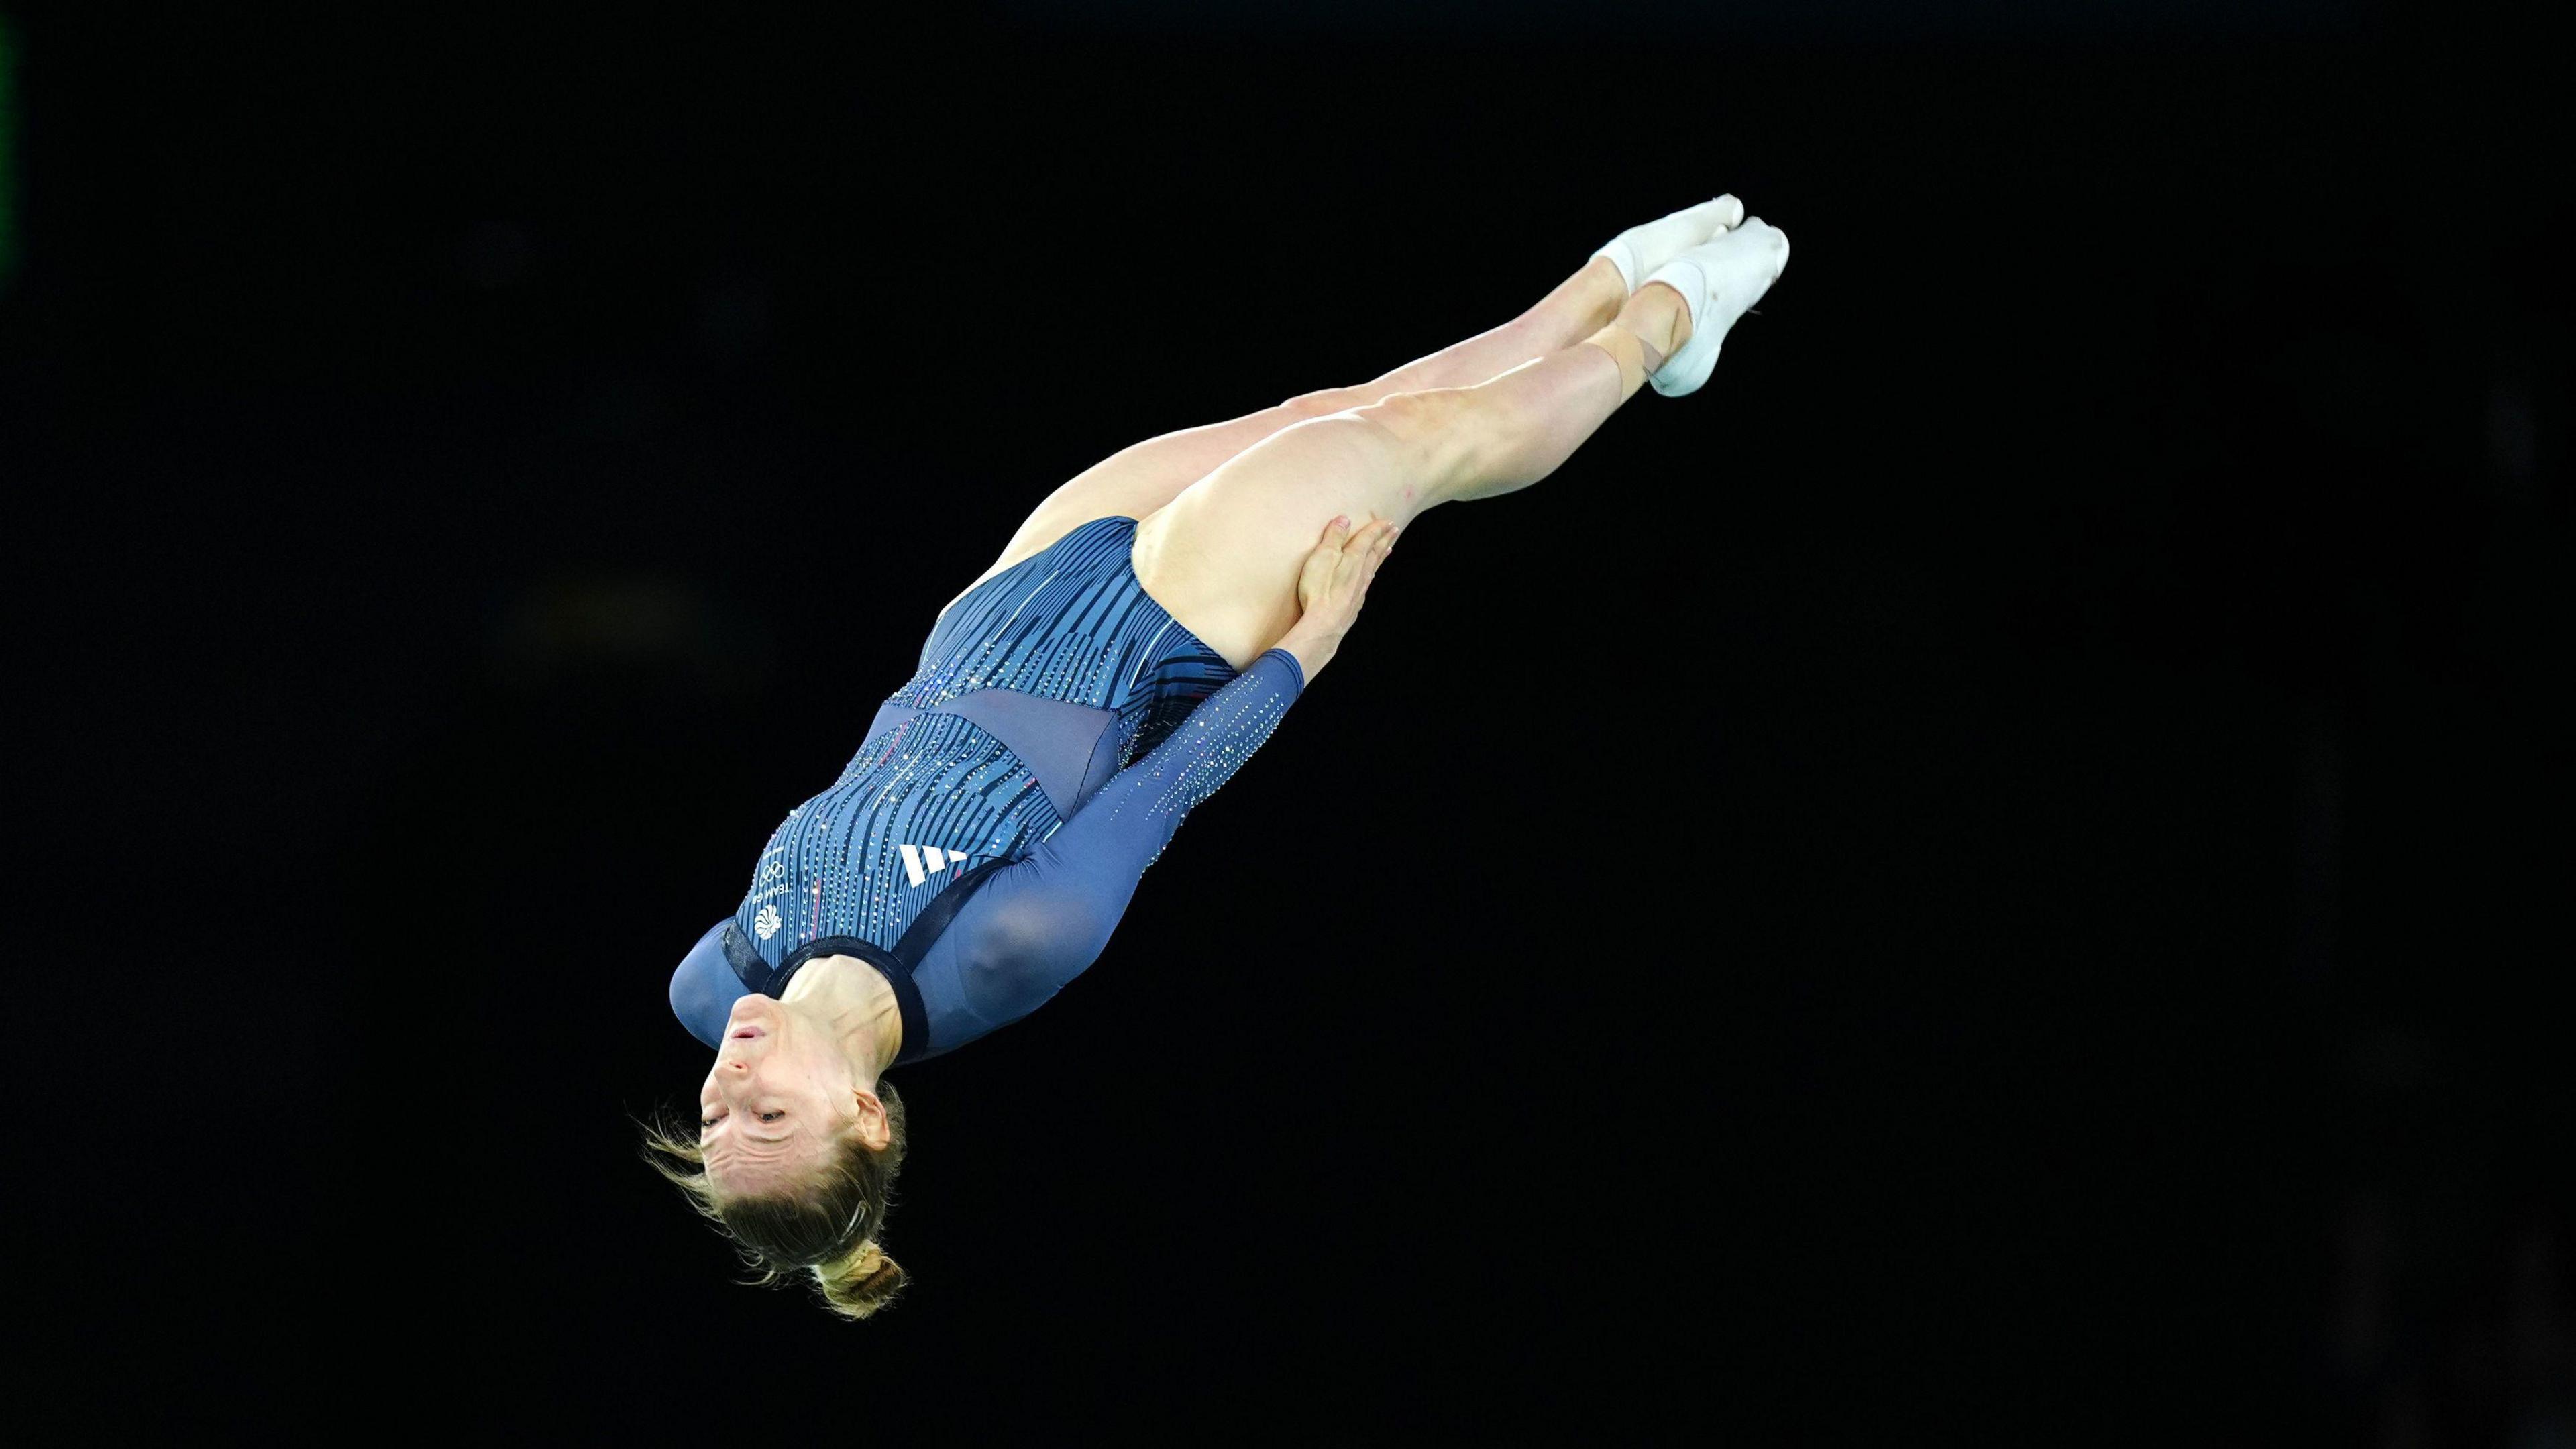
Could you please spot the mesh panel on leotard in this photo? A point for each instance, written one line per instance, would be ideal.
(934, 793)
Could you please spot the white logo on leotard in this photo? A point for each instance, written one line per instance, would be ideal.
(766, 923)
(937, 858)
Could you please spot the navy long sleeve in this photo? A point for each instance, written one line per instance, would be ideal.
(1040, 922)
(899, 821)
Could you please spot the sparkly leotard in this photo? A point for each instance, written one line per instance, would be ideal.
(1014, 738)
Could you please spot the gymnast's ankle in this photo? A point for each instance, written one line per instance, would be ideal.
(1661, 320)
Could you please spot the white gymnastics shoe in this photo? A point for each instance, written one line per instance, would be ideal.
(1718, 279)
(1637, 251)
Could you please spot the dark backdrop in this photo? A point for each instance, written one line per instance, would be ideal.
(1991, 875)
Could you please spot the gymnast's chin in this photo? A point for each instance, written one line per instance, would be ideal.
(798, 1140)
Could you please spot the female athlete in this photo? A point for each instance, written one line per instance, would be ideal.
(1140, 637)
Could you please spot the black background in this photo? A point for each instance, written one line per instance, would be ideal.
(1994, 875)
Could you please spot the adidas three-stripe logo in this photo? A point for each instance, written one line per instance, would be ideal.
(915, 856)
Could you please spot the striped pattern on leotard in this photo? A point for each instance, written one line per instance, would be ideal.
(1070, 623)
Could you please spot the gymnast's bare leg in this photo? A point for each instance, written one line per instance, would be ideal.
(1223, 556)
(1137, 480)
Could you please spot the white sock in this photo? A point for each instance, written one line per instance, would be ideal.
(1735, 271)
(1637, 251)
(1718, 279)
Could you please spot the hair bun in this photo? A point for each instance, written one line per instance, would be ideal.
(862, 1283)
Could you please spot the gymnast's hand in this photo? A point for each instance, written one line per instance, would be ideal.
(1332, 588)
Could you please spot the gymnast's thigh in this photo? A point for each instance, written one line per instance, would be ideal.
(1223, 557)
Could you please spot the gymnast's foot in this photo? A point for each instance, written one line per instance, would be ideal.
(1682, 312)
(1637, 251)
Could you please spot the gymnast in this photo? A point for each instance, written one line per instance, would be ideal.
(1138, 639)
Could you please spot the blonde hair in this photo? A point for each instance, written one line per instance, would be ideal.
(830, 1228)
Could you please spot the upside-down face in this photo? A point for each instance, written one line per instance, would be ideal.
(780, 1096)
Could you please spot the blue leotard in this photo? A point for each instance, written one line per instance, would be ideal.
(1060, 718)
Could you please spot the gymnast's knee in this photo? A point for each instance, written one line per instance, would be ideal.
(1323, 401)
(1417, 416)
(1433, 431)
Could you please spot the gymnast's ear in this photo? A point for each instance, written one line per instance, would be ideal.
(875, 1125)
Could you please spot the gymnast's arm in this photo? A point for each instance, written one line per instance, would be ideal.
(1039, 922)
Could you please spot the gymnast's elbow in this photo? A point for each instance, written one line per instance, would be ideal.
(1023, 955)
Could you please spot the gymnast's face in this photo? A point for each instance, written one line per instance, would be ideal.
(781, 1093)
